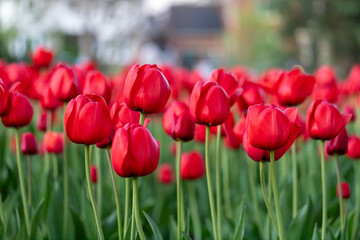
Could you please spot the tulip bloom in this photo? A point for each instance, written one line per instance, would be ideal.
(28, 144)
(42, 56)
(350, 110)
(64, 83)
(324, 121)
(209, 104)
(48, 100)
(41, 122)
(134, 152)
(338, 145)
(200, 133)
(20, 111)
(54, 142)
(353, 147)
(192, 165)
(121, 115)
(93, 173)
(87, 119)
(97, 83)
(226, 80)
(345, 190)
(250, 95)
(177, 122)
(146, 89)
(4, 94)
(165, 174)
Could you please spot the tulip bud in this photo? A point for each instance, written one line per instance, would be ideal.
(353, 147)
(345, 190)
(54, 142)
(165, 174)
(97, 83)
(192, 166)
(93, 173)
(42, 56)
(48, 101)
(177, 122)
(134, 152)
(41, 123)
(121, 115)
(339, 144)
(64, 83)
(28, 144)
(87, 119)
(20, 111)
(146, 89)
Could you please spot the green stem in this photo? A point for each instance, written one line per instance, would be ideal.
(29, 178)
(55, 167)
(22, 187)
(341, 199)
(208, 179)
(218, 180)
(266, 199)
(91, 194)
(127, 204)
(226, 182)
(178, 187)
(66, 183)
(116, 195)
(99, 181)
(142, 118)
(253, 191)
(295, 180)
(276, 198)
(195, 217)
(269, 186)
(323, 230)
(136, 213)
(357, 202)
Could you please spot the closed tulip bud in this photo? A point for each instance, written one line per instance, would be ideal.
(165, 174)
(226, 80)
(64, 83)
(345, 190)
(87, 119)
(192, 166)
(41, 123)
(93, 173)
(42, 56)
(209, 104)
(339, 144)
(121, 115)
(350, 110)
(134, 152)
(324, 121)
(353, 147)
(54, 142)
(4, 95)
(97, 83)
(28, 144)
(177, 122)
(294, 87)
(48, 100)
(250, 95)
(20, 111)
(146, 89)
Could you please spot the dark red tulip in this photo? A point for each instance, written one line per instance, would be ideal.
(121, 115)
(64, 83)
(48, 100)
(97, 83)
(192, 165)
(353, 147)
(177, 122)
(294, 87)
(87, 119)
(226, 80)
(4, 95)
(345, 190)
(54, 142)
(250, 95)
(42, 56)
(146, 89)
(20, 111)
(93, 173)
(165, 174)
(28, 144)
(324, 121)
(339, 144)
(134, 152)
(41, 123)
(209, 104)
(350, 110)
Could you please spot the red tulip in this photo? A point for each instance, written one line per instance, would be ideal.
(354, 78)
(54, 142)
(324, 121)
(87, 119)
(345, 190)
(165, 174)
(209, 104)
(64, 83)
(93, 173)
(270, 79)
(350, 110)
(177, 122)
(200, 131)
(146, 89)
(121, 115)
(28, 144)
(226, 80)
(41, 123)
(339, 144)
(20, 111)
(42, 56)
(234, 134)
(134, 152)
(97, 83)
(353, 147)
(4, 76)
(325, 86)
(48, 100)
(107, 142)
(4, 95)
(250, 95)
(192, 166)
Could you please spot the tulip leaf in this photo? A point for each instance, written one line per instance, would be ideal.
(35, 219)
(240, 226)
(185, 236)
(153, 226)
(2, 214)
(79, 228)
(316, 234)
(298, 227)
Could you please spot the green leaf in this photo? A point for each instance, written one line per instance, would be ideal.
(316, 234)
(185, 236)
(79, 228)
(240, 226)
(35, 219)
(298, 227)
(2, 214)
(343, 233)
(154, 227)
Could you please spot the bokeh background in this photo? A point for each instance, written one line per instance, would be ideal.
(201, 34)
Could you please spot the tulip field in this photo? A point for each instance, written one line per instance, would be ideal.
(160, 152)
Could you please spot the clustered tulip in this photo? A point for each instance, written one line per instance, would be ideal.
(20, 111)
(192, 165)
(28, 144)
(339, 144)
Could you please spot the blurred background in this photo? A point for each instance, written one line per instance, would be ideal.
(201, 34)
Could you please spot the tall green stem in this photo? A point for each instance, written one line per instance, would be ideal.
(226, 182)
(250, 170)
(127, 203)
(266, 199)
(21, 180)
(208, 179)
(136, 214)
(218, 180)
(357, 203)
(323, 230)
(178, 187)
(99, 181)
(91, 193)
(65, 182)
(295, 180)
(142, 118)
(341, 199)
(29, 177)
(195, 218)
(55, 167)
(276, 198)
(116, 195)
